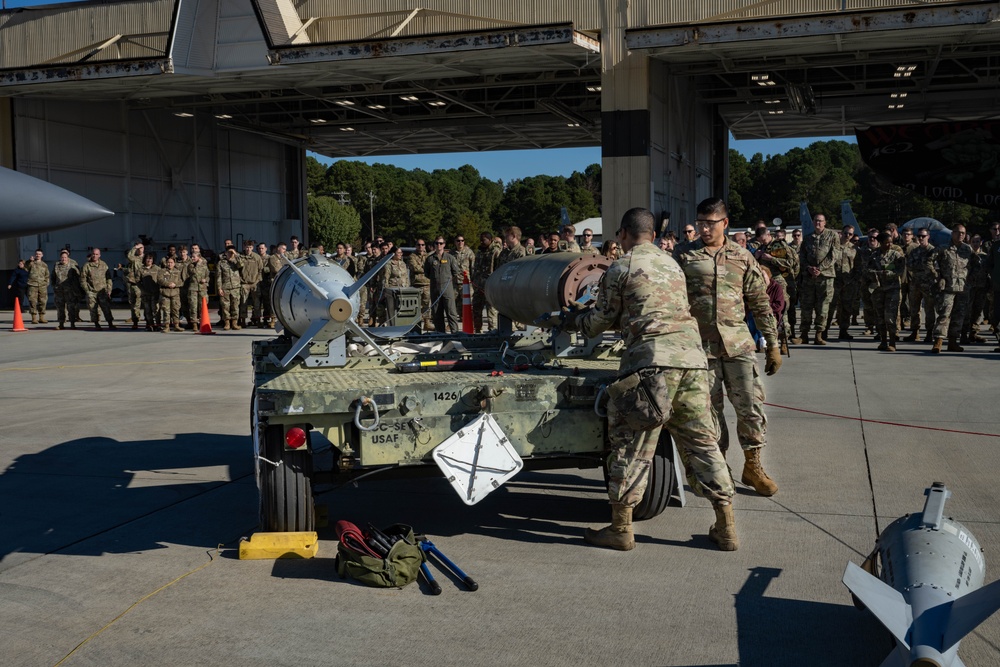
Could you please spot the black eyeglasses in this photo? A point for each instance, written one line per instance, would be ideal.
(439, 242)
(922, 236)
(585, 234)
(459, 240)
(689, 231)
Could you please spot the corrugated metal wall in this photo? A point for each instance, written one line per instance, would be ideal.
(174, 179)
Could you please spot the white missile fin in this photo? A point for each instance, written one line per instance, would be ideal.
(882, 600)
(372, 272)
(314, 328)
(968, 611)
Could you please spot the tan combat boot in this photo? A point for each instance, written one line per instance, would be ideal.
(226, 326)
(820, 338)
(954, 346)
(754, 475)
(34, 318)
(616, 536)
(723, 532)
(235, 324)
(937, 345)
(41, 319)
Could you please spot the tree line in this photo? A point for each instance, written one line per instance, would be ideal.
(824, 174)
(346, 199)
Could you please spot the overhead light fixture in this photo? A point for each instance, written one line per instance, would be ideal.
(564, 112)
(904, 71)
(762, 79)
(376, 107)
(344, 103)
(437, 103)
(593, 89)
(572, 125)
(776, 112)
(898, 96)
(223, 116)
(347, 129)
(409, 98)
(896, 106)
(183, 114)
(318, 121)
(772, 101)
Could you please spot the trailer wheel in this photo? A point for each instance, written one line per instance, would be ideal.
(286, 498)
(662, 482)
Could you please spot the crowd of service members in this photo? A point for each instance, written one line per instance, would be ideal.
(892, 281)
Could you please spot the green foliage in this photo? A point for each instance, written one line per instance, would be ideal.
(331, 223)
(406, 205)
(824, 174)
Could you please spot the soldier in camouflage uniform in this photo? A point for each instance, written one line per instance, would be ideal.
(229, 284)
(149, 290)
(845, 284)
(133, 274)
(884, 270)
(783, 262)
(250, 276)
(644, 294)
(264, 288)
(950, 266)
(482, 269)
(38, 287)
(275, 262)
(66, 287)
(195, 275)
(465, 257)
(182, 261)
(979, 285)
(922, 287)
(721, 277)
(512, 247)
(817, 260)
(170, 282)
(569, 239)
(416, 262)
(867, 249)
(95, 279)
(588, 243)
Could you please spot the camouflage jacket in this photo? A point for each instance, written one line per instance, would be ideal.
(442, 272)
(846, 261)
(396, 273)
(571, 246)
(589, 249)
(719, 283)
(644, 294)
(818, 250)
(885, 269)
(466, 261)
(265, 271)
(274, 264)
(509, 255)
(918, 265)
(416, 263)
(486, 263)
(66, 279)
(951, 264)
(95, 277)
(147, 283)
(169, 277)
(163, 261)
(784, 260)
(992, 261)
(196, 275)
(979, 277)
(133, 272)
(227, 273)
(253, 269)
(343, 262)
(38, 273)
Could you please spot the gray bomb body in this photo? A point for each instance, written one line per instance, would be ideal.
(924, 584)
(31, 206)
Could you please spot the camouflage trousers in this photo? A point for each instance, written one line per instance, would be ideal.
(425, 304)
(950, 311)
(885, 304)
(683, 397)
(68, 302)
(134, 301)
(846, 301)
(229, 303)
(479, 304)
(38, 298)
(101, 300)
(739, 378)
(815, 298)
(250, 298)
(195, 293)
(921, 295)
(975, 312)
(170, 307)
(265, 299)
(150, 312)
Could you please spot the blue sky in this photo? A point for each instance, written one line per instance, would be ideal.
(510, 165)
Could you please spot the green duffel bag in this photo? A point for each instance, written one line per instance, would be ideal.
(400, 566)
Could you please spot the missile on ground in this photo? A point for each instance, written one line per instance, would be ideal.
(32, 206)
(923, 582)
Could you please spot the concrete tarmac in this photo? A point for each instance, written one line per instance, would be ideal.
(127, 462)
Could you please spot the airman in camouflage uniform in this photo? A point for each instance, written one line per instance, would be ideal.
(845, 284)
(95, 279)
(38, 287)
(195, 275)
(229, 284)
(66, 287)
(979, 285)
(264, 288)
(149, 290)
(250, 277)
(275, 262)
(465, 258)
(817, 260)
(950, 265)
(867, 249)
(922, 285)
(416, 262)
(512, 247)
(486, 261)
(644, 295)
(783, 262)
(721, 277)
(588, 243)
(133, 274)
(170, 282)
(884, 270)
(569, 240)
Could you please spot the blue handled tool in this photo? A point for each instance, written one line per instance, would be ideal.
(428, 547)
(429, 578)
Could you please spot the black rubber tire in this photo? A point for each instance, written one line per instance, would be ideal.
(662, 481)
(286, 498)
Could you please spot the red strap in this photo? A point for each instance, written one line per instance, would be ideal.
(352, 538)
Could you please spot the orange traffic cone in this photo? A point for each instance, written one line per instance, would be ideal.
(206, 322)
(468, 326)
(18, 320)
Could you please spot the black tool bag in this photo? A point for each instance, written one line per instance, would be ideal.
(396, 568)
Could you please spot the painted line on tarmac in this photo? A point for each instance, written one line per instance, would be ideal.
(120, 363)
(877, 421)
